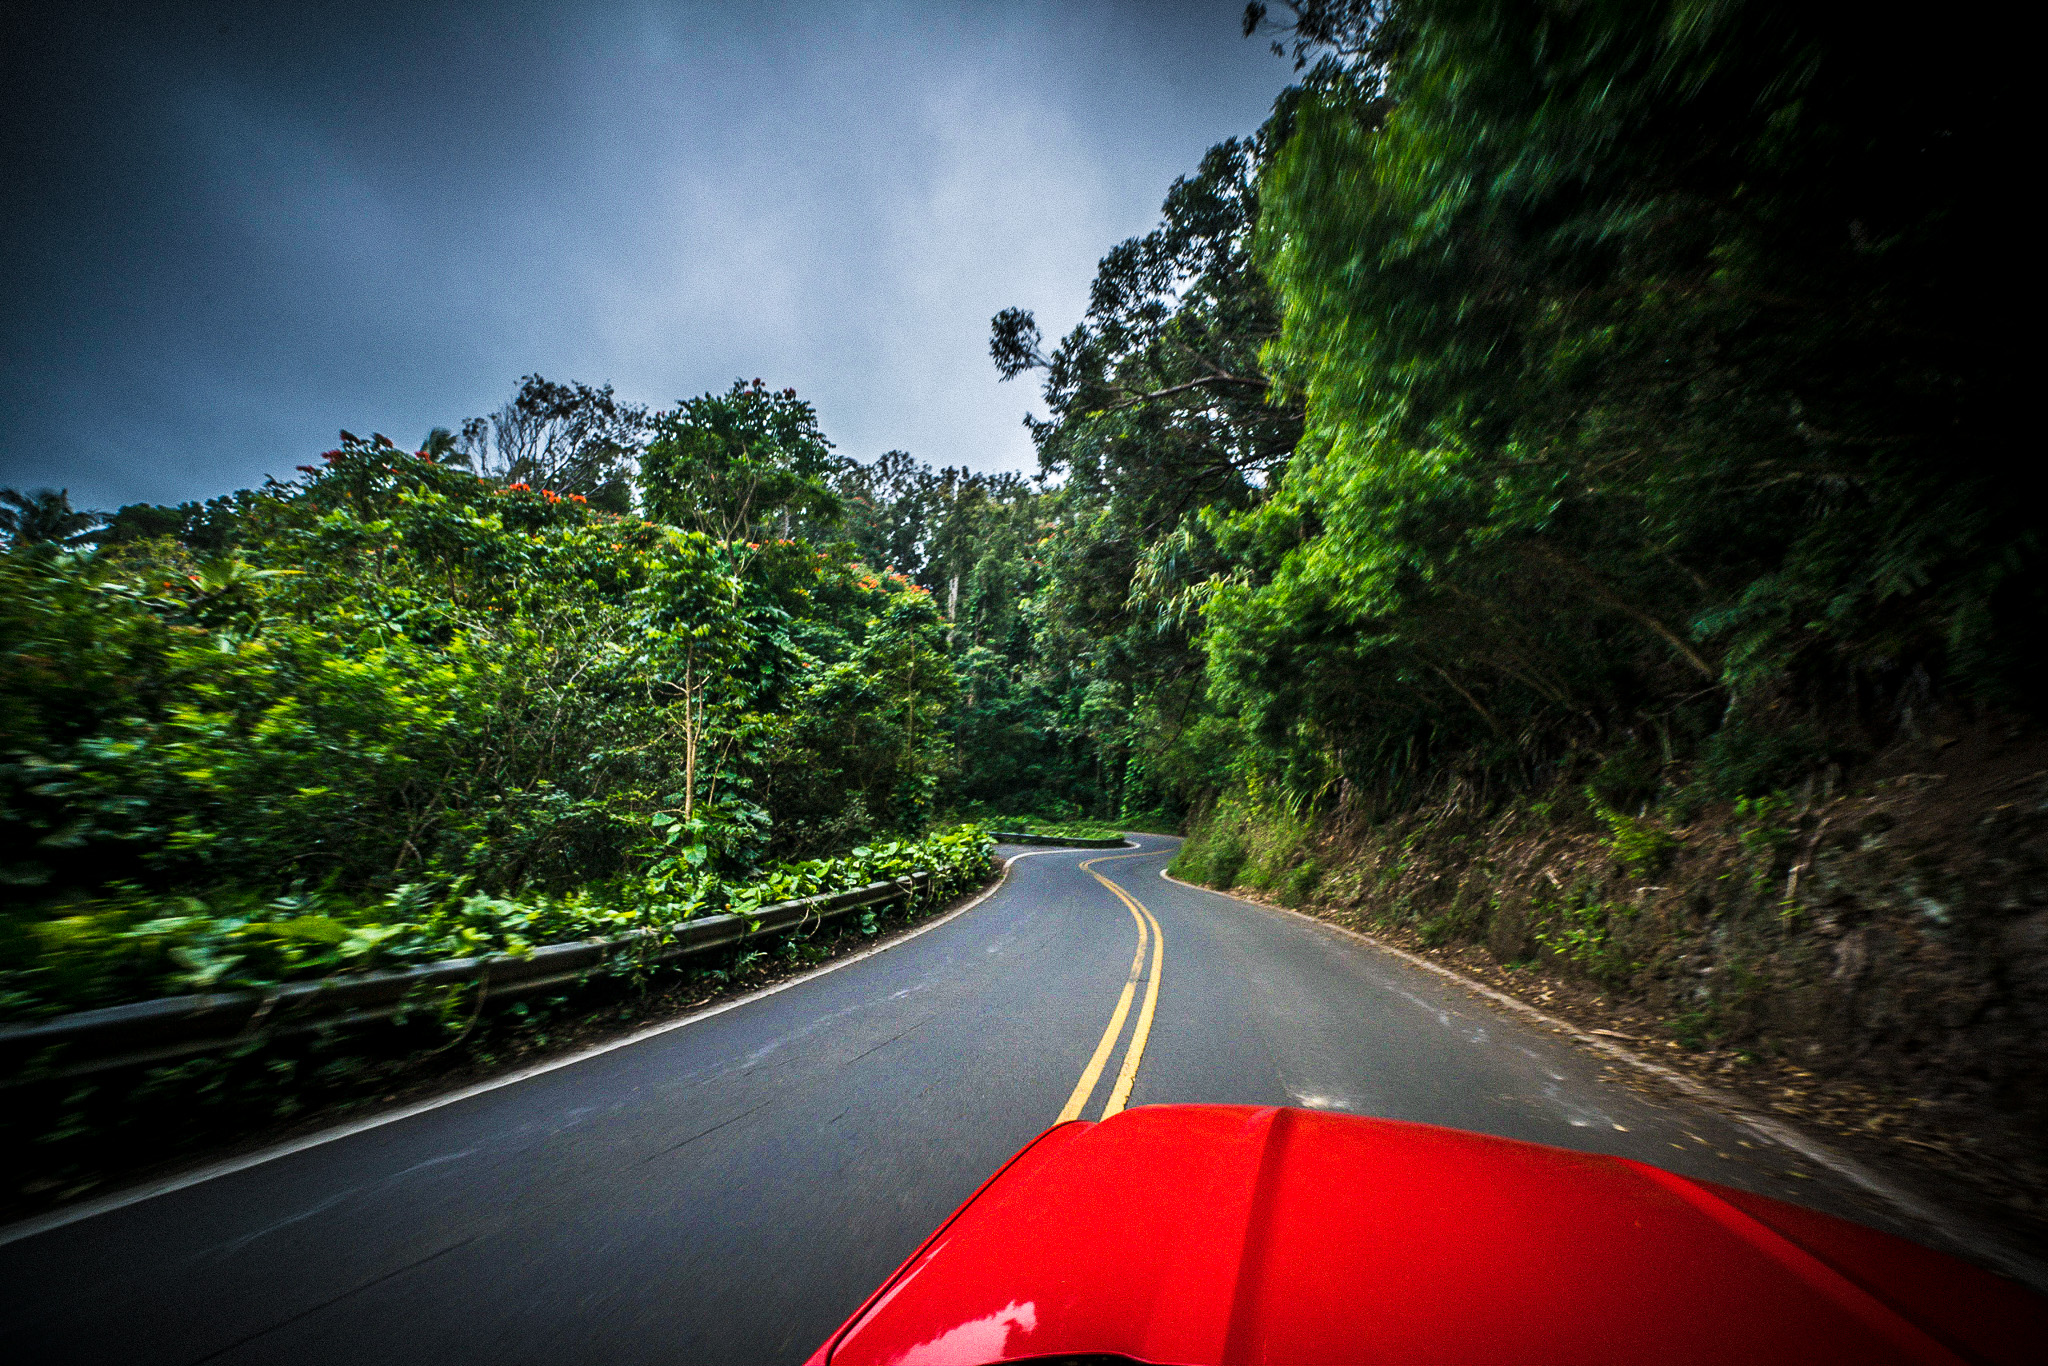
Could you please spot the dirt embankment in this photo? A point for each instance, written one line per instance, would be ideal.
(1870, 961)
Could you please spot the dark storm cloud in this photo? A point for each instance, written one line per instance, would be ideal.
(233, 230)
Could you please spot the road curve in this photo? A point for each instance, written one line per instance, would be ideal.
(728, 1191)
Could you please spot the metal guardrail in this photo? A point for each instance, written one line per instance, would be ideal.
(1067, 841)
(175, 1027)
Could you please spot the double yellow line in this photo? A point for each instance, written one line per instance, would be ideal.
(1150, 936)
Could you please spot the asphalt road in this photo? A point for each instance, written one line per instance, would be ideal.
(730, 1190)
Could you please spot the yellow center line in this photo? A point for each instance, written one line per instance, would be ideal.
(1090, 1074)
(1134, 1054)
(1127, 1076)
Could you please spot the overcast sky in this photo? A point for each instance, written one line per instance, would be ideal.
(232, 230)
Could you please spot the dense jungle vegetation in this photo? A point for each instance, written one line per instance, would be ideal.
(1596, 394)
(1605, 387)
(413, 705)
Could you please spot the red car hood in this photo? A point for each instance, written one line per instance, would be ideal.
(1219, 1233)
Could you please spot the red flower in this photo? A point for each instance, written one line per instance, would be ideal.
(578, 498)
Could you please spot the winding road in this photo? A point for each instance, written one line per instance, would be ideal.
(729, 1187)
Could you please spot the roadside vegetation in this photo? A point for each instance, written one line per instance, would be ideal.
(408, 713)
(1152, 822)
(1865, 959)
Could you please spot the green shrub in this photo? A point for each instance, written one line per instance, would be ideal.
(1627, 778)
(134, 945)
(1220, 865)
(400, 712)
(1153, 822)
(1746, 759)
(1069, 827)
(1213, 851)
(1760, 829)
(1579, 928)
(1641, 847)
(1301, 881)
(1461, 922)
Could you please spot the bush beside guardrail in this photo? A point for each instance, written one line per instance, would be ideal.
(168, 1029)
(268, 1005)
(134, 944)
(171, 1028)
(1058, 841)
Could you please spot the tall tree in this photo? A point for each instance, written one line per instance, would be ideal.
(1647, 382)
(1160, 407)
(887, 510)
(747, 463)
(1158, 399)
(569, 438)
(46, 517)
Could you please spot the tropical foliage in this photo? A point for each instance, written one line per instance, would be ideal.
(44, 518)
(132, 944)
(1649, 422)
(1646, 402)
(402, 695)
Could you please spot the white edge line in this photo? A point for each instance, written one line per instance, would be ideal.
(2013, 1261)
(106, 1204)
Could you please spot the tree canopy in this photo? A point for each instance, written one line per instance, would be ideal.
(735, 463)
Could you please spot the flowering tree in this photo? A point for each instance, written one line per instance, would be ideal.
(567, 437)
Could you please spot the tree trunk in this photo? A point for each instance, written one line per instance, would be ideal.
(690, 718)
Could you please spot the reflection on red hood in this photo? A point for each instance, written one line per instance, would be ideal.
(1224, 1233)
